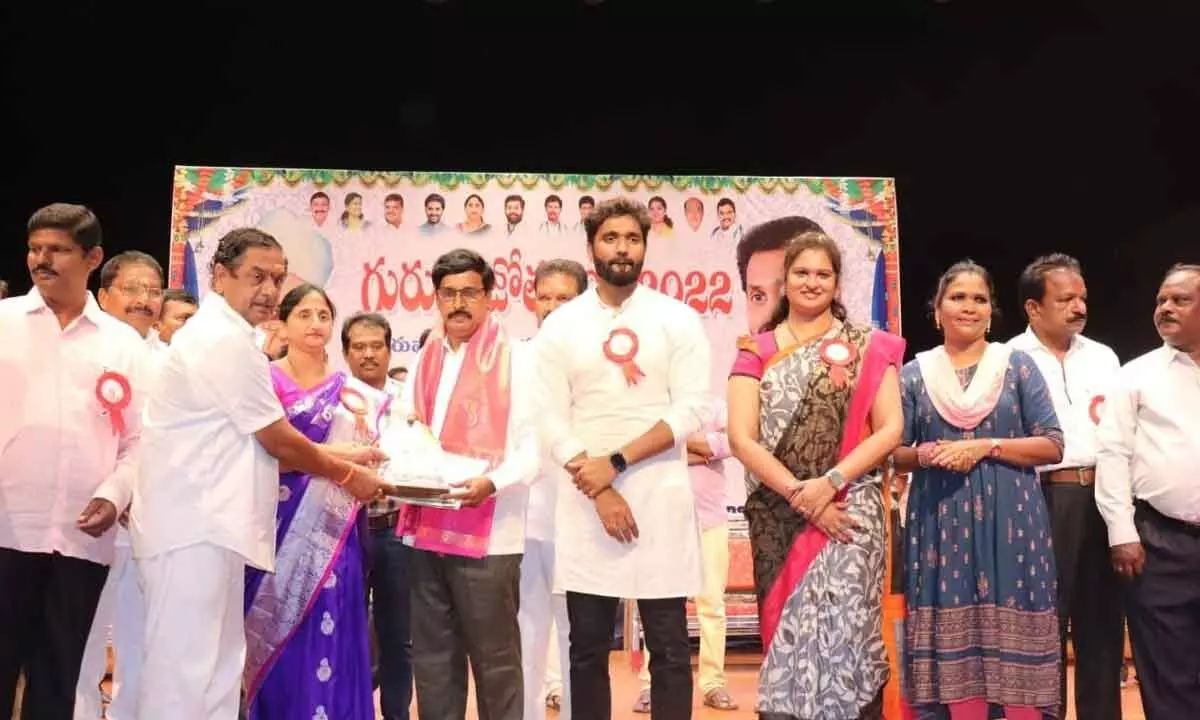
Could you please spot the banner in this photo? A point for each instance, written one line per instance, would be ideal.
(371, 239)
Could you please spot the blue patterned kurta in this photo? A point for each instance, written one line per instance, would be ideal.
(981, 588)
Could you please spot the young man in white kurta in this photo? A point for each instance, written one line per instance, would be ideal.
(208, 484)
(595, 413)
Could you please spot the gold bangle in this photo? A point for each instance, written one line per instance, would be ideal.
(349, 474)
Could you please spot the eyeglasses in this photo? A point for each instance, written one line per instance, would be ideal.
(449, 295)
(135, 290)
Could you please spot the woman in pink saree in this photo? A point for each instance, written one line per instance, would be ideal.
(814, 411)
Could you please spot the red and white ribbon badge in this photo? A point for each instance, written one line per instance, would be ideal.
(1094, 409)
(838, 355)
(114, 394)
(622, 348)
(356, 404)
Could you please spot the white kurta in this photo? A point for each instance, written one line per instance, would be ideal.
(588, 407)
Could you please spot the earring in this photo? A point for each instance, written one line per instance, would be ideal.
(937, 322)
(987, 330)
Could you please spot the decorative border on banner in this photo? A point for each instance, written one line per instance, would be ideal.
(205, 191)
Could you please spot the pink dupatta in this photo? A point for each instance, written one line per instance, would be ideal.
(883, 350)
(476, 425)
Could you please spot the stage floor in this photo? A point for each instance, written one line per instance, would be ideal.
(741, 674)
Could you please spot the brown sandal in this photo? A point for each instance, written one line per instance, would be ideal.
(719, 699)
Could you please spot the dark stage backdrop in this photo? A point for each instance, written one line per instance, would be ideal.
(1010, 132)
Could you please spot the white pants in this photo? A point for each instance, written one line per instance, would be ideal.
(121, 609)
(540, 609)
(195, 636)
(710, 611)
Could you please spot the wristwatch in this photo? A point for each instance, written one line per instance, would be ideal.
(618, 462)
(836, 478)
(994, 448)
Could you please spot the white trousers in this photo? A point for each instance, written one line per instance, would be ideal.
(540, 610)
(195, 636)
(120, 615)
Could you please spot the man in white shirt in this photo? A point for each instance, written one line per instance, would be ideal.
(71, 392)
(1148, 452)
(624, 381)
(1078, 371)
(367, 347)
(131, 290)
(470, 389)
(555, 283)
(214, 438)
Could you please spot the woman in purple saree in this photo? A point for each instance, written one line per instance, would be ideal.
(306, 624)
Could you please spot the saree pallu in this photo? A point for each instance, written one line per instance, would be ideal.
(306, 624)
(820, 603)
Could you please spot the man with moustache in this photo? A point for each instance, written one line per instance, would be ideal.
(587, 204)
(470, 389)
(318, 208)
(623, 374)
(514, 212)
(367, 347)
(728, 229)
(214, 437)
(131, 291)
(178, 306)
(1148, 452)
(1078, 372)
(760, 264)
(72, 391)
(553, 226)
(555, 283)
(393, 212)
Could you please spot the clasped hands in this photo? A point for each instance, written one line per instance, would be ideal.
(954, 455)
(594, 476)
(814, 500)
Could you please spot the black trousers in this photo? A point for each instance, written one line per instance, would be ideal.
(47, 602)
(1089, 600)
(391, 613)
(466, 609)
(665, 622)
(1163, 604)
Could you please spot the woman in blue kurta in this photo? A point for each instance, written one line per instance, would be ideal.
(982, 628)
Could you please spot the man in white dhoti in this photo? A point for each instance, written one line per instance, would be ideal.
(131, 290)
(624, 380)
(208, 483)
(556, 282)
(470, 388)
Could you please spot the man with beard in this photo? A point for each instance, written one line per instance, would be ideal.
(72, 393)
(214, 438)
(470, 389)
(624, 381)
(514, 212)
(555, 283)
(367, 347)
(131, 291)
(1148, 452)
(435, 206)
(1078, 372)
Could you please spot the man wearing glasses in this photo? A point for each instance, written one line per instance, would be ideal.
(471, 388)
(131, 290)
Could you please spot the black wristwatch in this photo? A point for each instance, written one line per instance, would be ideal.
(618, 462)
